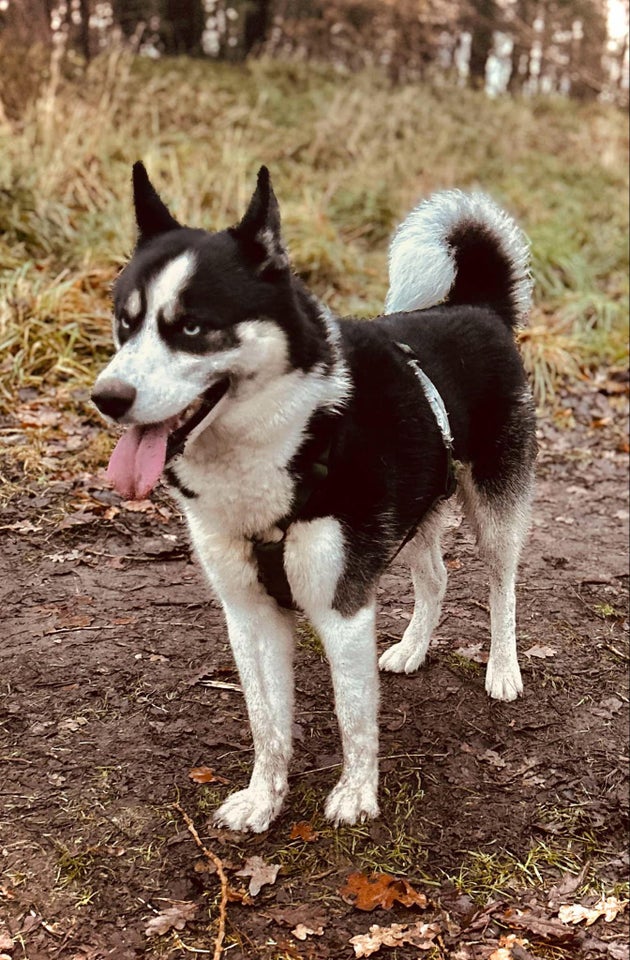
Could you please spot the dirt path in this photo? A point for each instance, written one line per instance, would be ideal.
(117, 680)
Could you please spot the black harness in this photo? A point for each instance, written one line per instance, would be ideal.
(312, 465)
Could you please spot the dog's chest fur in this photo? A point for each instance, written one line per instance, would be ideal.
(239, 470)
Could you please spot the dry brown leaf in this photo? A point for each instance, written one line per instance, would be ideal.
(505, 950)
(6, 941)
(541, 651)
(474, 652)
(260, 874)
(205, 775)
(380, 890)
(566, 886)
(303, 831)
(71, 725)
(536, 923)
(493, 758)
(608, 908)
(173, 918)
(73, 621)
(301, 932)
(239, 895)
(419, 935)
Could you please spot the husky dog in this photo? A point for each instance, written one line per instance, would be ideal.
(306, 451)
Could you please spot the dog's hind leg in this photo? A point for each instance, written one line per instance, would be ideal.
(424, 555)
(500, 522)
(314, 560)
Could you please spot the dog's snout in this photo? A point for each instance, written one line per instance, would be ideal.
(113, 397)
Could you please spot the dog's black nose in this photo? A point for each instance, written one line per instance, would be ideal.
(113, 397)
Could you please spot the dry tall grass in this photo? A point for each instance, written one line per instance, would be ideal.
(348, 156)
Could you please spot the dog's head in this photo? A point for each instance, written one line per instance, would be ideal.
(196, 314)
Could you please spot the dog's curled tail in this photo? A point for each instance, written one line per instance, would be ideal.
(460, 247)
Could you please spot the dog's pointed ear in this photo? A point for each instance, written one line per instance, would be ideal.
(258, 233)
(152, 215)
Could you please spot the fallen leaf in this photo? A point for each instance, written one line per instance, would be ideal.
(607, 708)
(419, 935)
(540, 651)
(205, 775)
(608, 908)
(173, 918)
(299, 915)
(71, 725)
(473, 652)
(493, 758)
(261, 874)
(380, 890)
(303, 831)
(239, 895)
(137, 506)
(536, 923)
(64, 557)
(73, 621)
(22, 526)
(567, 886)
(6, 942)
(302, 931)
(510, 948)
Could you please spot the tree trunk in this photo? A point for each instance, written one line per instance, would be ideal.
(183, 23)
(482, 27)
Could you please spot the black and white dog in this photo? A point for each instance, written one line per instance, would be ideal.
(305, 450)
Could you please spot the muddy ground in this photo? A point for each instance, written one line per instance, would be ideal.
(117, 680)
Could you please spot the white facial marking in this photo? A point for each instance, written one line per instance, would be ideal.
(134, 304)
(166, 380)
(165, 289)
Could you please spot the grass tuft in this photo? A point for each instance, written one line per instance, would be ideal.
(348, 156)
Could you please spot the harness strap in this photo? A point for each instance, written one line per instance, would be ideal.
(315, 464)
(431, 393)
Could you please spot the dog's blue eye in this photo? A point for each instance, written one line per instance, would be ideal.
(191, 329)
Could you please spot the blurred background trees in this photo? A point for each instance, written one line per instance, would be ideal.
(578, 48)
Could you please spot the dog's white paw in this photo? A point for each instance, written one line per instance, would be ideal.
(400, 659)
(503, 680)
(249, 809)
(351, 803)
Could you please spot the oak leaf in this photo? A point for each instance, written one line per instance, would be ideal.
(380, 890)
(302, 931)
(205, 775)
(173, 918)
(303, 831)
(608, 908)
(419, 935)
(260, 874)
(541, 651)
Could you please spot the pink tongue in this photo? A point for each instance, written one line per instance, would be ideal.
(138, 460)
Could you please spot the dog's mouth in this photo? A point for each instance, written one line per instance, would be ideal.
(143, 451)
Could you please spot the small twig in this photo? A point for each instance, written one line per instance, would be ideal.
(218, 943)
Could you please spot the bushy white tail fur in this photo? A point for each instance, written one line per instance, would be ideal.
(460, 247)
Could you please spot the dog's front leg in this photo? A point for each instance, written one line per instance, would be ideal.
(350, 644)
(314, 560)
(261, 637)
